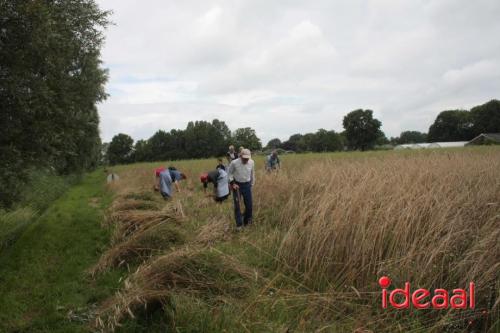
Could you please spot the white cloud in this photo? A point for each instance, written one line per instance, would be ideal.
(284, 67)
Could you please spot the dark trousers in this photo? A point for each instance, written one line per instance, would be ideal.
(245, 194)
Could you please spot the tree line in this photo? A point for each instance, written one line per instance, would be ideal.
(203, 139)
(362, 131)
(457, 125)
(200, 139)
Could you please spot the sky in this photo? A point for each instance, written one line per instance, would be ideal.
(286, 67)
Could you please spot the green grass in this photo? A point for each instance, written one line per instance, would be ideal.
(42, 188)
(42, 275)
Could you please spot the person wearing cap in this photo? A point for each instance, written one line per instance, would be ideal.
(231, 155)
(164, 180)
(219, 178)
(273, 161)
(241, 174)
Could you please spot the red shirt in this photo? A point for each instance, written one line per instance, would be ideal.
(158, 171)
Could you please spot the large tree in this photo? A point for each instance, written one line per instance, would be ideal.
(203, 139)
(293, 143)
(361, 129)
(486, 117)
(452, 125)
(246, 137)
(274, 144)
(120, 149)
(50, 81)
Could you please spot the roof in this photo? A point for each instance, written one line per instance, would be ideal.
(432, 145)
(493, 137)
(451, 144)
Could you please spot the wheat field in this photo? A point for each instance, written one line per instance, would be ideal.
(326, 227)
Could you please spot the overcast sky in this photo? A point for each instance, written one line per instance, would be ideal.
(285, 67)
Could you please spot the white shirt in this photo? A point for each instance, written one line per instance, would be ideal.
(242, 173)
(222, 184)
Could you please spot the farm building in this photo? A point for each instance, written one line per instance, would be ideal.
(485, 139)
(425, 145)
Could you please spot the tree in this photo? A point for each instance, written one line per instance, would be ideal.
(381, 139)
(274, 144)
(293, 142)
(452, 125)
(160, 146)
(143, 151)
(247, 138)
(120, 149)
(203, 139)
(177, 145)
(411, 137)
(222, 128)
(486, 117)
(361, 129)
(324, 140)
(49, 87)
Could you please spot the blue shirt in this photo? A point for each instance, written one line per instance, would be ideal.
(175, 175)
(273, 161)
(166, 183)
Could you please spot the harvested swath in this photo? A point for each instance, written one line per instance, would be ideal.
(144, 196)
(129, 222)
(198, 272)
(122, 204)
(140, 246)
(218, 229)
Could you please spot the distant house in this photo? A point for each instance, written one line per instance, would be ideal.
(485, 139)
(447, 144)
(427, 145)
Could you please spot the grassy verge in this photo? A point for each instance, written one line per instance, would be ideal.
(41, 190)
(42, 275)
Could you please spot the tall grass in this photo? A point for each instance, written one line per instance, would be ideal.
(431, 219)
(334, 223)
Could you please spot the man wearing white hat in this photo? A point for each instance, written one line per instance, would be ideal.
(241, 174)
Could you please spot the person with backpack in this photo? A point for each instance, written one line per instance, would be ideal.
(219, 179)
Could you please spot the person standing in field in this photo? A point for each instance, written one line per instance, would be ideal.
(220, 164)
(164, 178)
(231, 154)
(241, 174)
(220, 180)
(273, 161)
